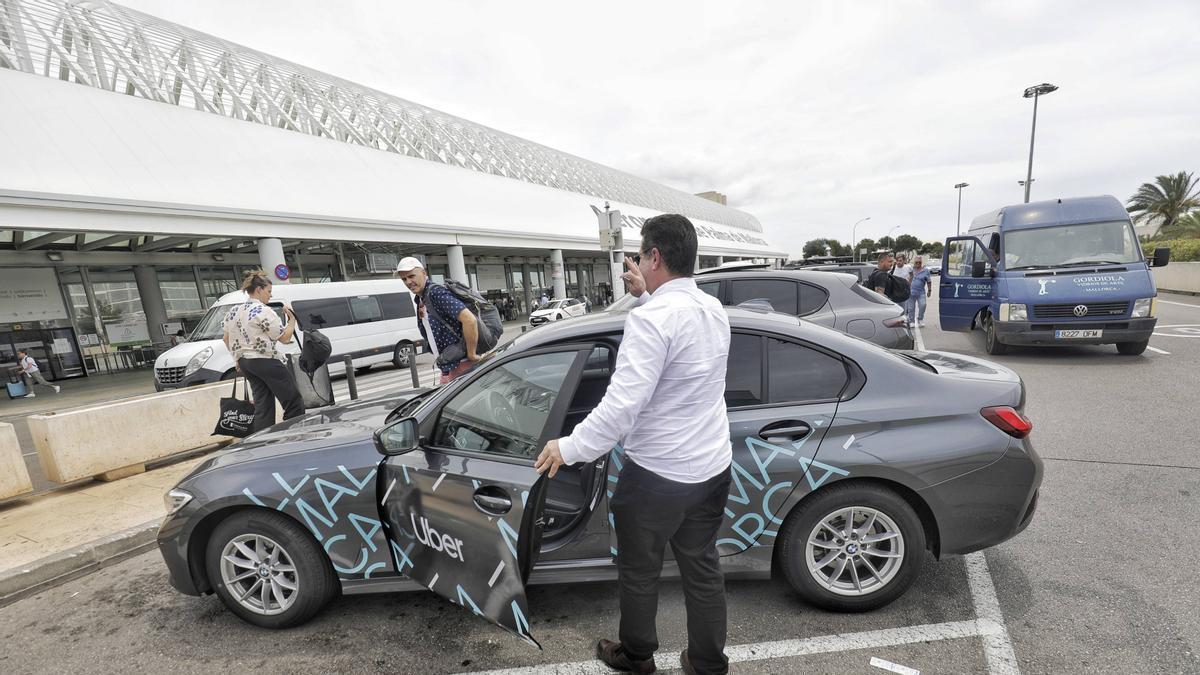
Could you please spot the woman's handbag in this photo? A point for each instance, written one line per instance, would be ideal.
(237, 414)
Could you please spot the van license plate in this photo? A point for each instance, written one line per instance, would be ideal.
(1076, 334)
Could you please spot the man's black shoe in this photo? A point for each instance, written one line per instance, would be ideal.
(685, 664)
(612, 654)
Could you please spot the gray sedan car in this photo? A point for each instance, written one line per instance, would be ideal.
(838, 485)
(828, 299)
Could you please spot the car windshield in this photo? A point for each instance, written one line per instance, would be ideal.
(553, 304)
(1066, 245)
(212, 326)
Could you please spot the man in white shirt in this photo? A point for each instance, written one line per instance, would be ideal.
(32, 374)
(666, 404)
(903, 270)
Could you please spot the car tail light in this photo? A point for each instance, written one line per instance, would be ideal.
(1008, 420)
(896, 322)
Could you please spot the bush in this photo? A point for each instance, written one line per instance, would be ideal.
(1182, 250)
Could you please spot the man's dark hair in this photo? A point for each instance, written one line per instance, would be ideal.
(884, 256)
(22, 351)
(675, 238)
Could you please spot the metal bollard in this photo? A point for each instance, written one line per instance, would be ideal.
(351, 385)
(412, 363)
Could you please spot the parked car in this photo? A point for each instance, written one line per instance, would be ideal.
(833, 300)
(372, 321)
(839, 486)
(557, 309)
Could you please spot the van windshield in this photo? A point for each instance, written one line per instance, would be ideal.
(1070, 245)
(212, 326)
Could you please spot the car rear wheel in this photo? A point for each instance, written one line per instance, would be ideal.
(991, 340)
(853, 548)
(1132, 348)
(268, 570)
(402, 355)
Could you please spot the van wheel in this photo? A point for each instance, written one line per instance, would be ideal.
(1132, 348)
(852, 549)
(991, 340)
(268, 570)
(402, 355)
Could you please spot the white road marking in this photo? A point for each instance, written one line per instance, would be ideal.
(387, 492)
(496, 574)
(1181, 304)
(1156, 350)
(893, 667)
(997, 646)
(438, 482)
(846, 445)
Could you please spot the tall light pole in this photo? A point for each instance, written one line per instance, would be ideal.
(1034, 92)
(889, 234)
(854, 239)
(958, 226)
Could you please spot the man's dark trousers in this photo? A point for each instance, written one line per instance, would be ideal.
(649, 511)
(270, 379)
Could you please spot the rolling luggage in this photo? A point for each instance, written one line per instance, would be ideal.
(16, 389)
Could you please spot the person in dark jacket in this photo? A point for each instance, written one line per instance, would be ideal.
(443, 316)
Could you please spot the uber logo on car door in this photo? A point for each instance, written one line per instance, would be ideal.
(435, 540)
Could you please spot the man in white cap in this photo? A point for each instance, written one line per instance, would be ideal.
(444, 317)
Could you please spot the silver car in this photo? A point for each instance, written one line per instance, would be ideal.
(830, 299)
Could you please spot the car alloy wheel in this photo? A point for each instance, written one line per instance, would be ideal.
(854, 551)
(404, 353)
(259, 574)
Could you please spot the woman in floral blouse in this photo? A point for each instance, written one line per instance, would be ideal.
(251, 331)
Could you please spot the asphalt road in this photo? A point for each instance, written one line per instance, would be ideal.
(1102, 581)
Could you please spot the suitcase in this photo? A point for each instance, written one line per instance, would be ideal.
(16, 389)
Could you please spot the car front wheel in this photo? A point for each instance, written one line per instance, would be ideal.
(268, 570)
(853, 548)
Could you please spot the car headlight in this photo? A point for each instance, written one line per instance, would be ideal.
(176, 499)
(1144, 308)
(198, 361)
(1013, 311)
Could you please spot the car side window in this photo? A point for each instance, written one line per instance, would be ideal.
(798, 373)
(713, 288)
(744, 371)
(812, 298)
(781, 293)
(505, 410)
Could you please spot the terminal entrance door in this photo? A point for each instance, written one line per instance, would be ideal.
(55, 349)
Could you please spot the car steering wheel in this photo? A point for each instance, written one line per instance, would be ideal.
(502, 411)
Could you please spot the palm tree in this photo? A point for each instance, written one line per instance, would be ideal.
(1166, 199)
(1186, 227)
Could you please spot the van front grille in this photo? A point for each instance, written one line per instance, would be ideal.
(1094, 309)
(169, 375)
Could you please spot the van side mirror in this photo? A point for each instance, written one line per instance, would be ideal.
(398, 437)
(1162, 256)
(979, 269)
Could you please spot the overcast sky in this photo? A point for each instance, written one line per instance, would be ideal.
(809, 115)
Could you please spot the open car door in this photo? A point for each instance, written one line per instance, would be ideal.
(967, 283)
(458, 495)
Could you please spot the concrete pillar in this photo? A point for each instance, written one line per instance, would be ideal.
(720, 260)
(270, 256)
(341, 263)
(152, 301)
(558, 274)
(617, 265)
(525, 285)
(457, 265)
(696, 265)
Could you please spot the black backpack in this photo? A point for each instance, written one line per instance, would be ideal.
(315, 351)
(490, 325)
(897, 290)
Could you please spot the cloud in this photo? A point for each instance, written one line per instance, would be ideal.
(808, 115)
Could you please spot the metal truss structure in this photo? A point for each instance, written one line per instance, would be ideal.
(104, 45)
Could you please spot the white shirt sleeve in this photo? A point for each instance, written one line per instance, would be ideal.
(640, 364)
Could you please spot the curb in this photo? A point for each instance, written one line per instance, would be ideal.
(39, 575)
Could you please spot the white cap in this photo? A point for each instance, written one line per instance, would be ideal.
(408, 264)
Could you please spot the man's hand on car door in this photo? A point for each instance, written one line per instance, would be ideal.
(550, 459)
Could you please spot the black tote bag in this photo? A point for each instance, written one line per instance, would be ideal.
(237, 414)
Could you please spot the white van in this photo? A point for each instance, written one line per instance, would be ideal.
(371, 321)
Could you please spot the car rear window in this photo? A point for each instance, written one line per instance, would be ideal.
(781, 293)
(871, 295)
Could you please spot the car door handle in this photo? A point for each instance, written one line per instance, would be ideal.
(784, 431)
(492, 501)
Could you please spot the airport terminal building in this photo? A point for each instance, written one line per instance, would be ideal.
(145, 165)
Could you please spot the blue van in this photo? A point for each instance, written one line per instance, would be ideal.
(1065, 271)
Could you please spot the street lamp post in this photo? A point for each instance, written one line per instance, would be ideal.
(889, 235)
(854, 239)
(1034, 92)
(958, 225)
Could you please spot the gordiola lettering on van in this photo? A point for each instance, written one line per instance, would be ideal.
(436, 540)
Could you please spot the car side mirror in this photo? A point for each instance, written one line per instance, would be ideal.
(979, 269)
(398, 437)
(1162, 256)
